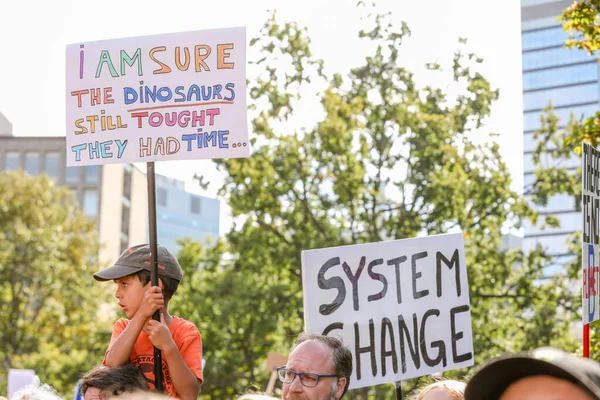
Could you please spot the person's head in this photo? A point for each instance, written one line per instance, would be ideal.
(443, 390)
(103, 382)
(131, 273)
(36, 391)
(311, 356)
(545, 373)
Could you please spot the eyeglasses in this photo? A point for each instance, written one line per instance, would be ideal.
(308, 379)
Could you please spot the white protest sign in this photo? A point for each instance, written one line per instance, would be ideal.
(19, 379)
(590, 173)
(401, 306)
(177, 96)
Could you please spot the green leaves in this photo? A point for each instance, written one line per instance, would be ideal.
(49, 301)
(382, 159)
(582, 23)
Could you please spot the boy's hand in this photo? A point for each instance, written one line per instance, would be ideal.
(159, 334)
(153, 300)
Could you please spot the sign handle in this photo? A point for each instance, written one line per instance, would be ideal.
(271, 384)
(586, 340)
(399, 390)
(158, 376)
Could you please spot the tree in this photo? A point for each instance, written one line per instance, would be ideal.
(581, 21)
(388, 160)
(49, 302)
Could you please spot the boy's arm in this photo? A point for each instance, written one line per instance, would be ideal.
(185, 382)
(122, 347)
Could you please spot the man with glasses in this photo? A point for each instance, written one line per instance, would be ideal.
(318, 368)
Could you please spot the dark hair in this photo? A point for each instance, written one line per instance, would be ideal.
(114, 380)
(169, 284)
(342, 356)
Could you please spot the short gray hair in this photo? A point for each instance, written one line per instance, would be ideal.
(342, 356)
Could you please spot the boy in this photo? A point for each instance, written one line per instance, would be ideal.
(133, 339)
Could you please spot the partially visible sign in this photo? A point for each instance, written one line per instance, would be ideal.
(275, 360)
(590, 200)
(401, 306)
(176, 96)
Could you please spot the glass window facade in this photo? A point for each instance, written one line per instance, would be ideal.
(531, 120)
(560, 76)
(161, 197)
(553, 57)
(72, 175)
(52, 165)
(569, 222)
(91, 174)
(195, 205)
(540, 38)
(32, 163)
(547, 161)
(90, 202)
(561, 96)
(11, 160)
(127, 182)
(555, 245)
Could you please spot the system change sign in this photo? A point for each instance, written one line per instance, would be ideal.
(590, 172)
(177, 96)
(401, 306)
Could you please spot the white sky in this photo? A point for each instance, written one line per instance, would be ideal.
(34, 33)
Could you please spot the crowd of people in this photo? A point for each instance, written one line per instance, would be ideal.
(318, 367)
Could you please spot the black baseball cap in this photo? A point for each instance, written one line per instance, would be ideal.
(495, 377)
(136, 259)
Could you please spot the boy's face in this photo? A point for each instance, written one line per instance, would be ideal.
(130, 292)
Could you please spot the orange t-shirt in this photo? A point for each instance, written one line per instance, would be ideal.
(188, 340)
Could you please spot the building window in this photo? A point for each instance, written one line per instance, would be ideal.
(32, 163)
(124, 242)
(90, 203)
(72, 175)
(92, 174)
(161, 197)
(195, 205)
(52, 165)
(11, 161)
(560, 96)
(127, 182)
(125, 220)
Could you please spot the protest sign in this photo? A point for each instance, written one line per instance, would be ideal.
(401, 306)
(590, 173)
(176, 96)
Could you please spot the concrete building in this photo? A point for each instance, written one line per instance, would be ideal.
(569, 79)
(114, 194)
(184, 215)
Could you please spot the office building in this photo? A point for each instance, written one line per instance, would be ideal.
(114, 194)
(568, 78)
(181, 214)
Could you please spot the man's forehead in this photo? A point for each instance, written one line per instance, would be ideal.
(312, 350)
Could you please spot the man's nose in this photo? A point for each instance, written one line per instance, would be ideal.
(296, 385)
(118, 294)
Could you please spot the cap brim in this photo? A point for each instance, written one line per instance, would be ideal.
(492, 380)
(115, 272)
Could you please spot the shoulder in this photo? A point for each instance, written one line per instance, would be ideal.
(184, 328)
(121, 323)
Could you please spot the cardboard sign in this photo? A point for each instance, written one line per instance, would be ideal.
(177, 96)
(401, 306)
(590, 159)
(275, 360)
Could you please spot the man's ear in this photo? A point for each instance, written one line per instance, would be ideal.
(341, 385)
